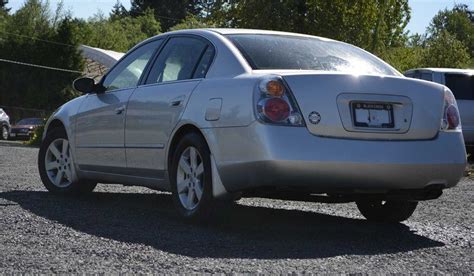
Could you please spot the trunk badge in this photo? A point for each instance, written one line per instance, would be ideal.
(314, 117)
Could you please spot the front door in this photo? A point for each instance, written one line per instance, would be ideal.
(100, 121)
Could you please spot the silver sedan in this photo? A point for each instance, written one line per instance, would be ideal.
(213, 115)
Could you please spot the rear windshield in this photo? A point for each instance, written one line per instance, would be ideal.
(462, 86)
(307, 53)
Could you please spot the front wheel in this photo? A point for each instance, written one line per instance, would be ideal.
(386, 211)
(56, 166)
(191, 178)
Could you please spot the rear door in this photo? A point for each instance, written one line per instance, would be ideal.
(101, 117)
(155, 107)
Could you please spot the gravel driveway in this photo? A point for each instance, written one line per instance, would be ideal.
(123, 229)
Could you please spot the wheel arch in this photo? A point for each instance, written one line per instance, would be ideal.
(55, 123)
(179, 133)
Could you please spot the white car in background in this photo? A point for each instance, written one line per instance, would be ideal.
(461, 83)
(4, 125)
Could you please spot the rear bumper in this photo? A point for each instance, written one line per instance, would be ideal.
(290, 157)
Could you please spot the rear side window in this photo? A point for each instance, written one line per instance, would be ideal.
(426, 76)
(180, 58)
(461, 85)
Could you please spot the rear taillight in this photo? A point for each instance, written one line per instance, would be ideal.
(451, 120)
(275, 103)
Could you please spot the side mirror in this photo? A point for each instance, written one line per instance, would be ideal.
(84, 85)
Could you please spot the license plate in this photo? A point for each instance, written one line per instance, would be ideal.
(372, 115)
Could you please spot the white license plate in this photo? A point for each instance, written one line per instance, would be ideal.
(373, 115)
(12, 134)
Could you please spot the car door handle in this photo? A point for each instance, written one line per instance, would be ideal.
(119, 110)
(177, 101)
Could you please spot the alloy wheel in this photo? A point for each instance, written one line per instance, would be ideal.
(58, 163)
(189, 178)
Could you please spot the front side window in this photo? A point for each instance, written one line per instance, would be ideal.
(179, 60)
(128, 72)
(265, 51)
(462, 85)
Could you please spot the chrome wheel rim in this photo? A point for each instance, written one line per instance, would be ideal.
(4, 133)
(58, 163)
(189, 178)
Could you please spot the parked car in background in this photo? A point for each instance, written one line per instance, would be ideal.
(461, 83)
(215, 114)
(4, 124)
(25, 128)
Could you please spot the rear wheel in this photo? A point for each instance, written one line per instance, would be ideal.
(5, 133)
(191, 178)
(386, 211)
(56, 166)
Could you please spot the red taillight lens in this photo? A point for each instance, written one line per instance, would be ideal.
(450, 120)
(452, 116)
(275, 103)
(276, 109)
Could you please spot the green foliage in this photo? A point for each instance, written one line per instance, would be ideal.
(403, 58)
(3, 4)
(459, 22)
(169, 12)
(119, 33)
(372, 25)
(445, 50)
(192, 22)
(34, 87)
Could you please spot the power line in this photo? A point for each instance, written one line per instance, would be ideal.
(39, 66)
(39, 39)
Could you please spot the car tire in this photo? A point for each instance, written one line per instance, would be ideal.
(191, 178)
(5, 133)
(56, 167)
(386, 211)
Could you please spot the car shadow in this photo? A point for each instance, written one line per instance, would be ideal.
(239, 232)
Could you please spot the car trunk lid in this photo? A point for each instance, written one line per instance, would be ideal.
(368, 107)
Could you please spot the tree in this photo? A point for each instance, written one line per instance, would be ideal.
(39, 37)
(459, 22)
(3, 6)
(373, 25)
(403, 58)
(118, 11)
(192, 22)
(168, 12)
(117, 33)
(445, 50)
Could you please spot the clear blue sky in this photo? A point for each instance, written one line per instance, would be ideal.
(422, 10)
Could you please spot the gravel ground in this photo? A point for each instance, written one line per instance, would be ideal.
(128, 229)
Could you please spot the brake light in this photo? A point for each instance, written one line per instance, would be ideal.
(451, 120)
(276, 109)
(275, 103)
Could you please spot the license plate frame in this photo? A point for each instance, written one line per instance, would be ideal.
(374, 115)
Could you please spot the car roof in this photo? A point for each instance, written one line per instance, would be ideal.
(444, 70)
(229, 31)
